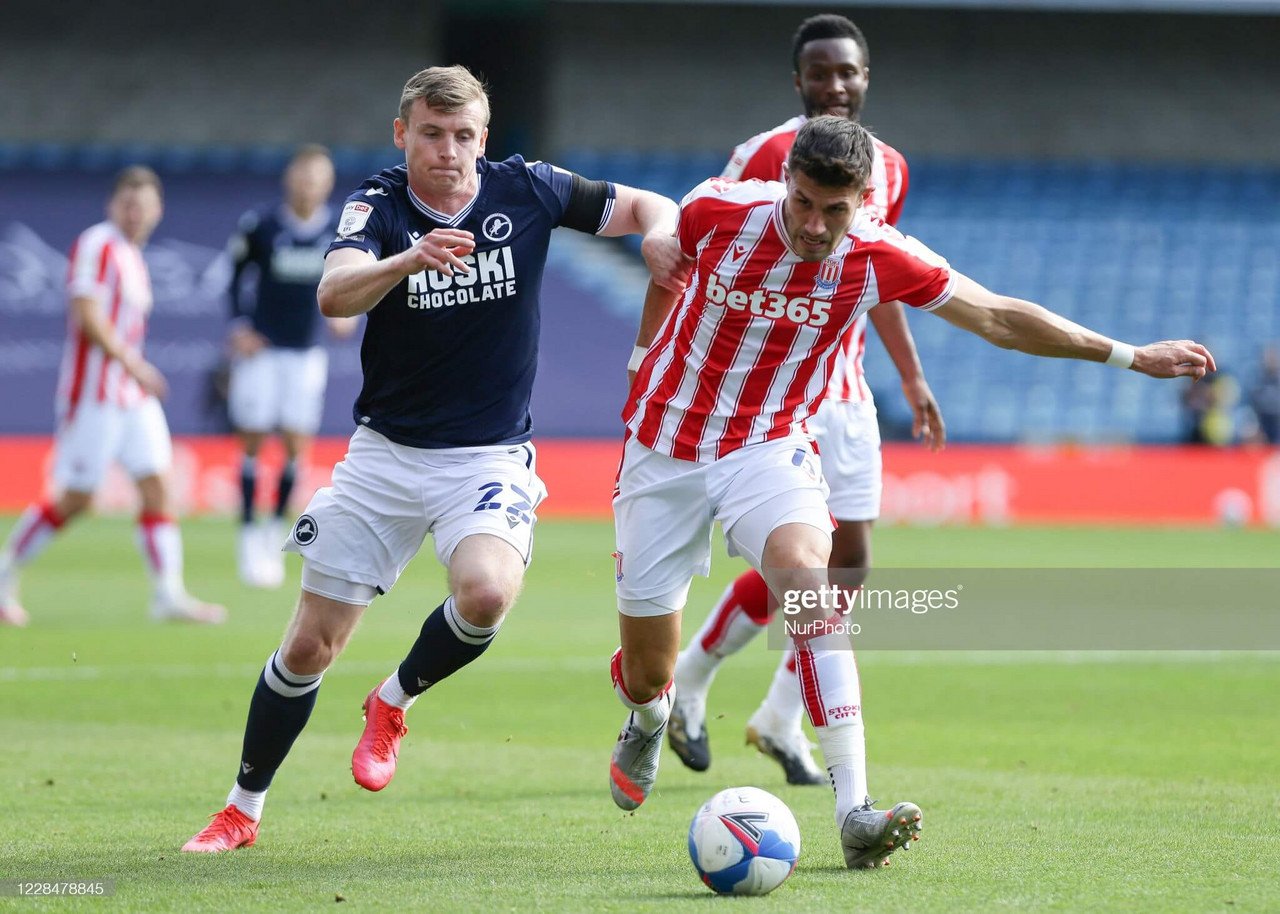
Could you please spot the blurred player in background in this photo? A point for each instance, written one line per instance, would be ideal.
(108, 405)
(445, 254)
(731, 369)
(279, 370)
(832, 71)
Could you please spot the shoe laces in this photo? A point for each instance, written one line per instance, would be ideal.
(225, 819)
(390, 728)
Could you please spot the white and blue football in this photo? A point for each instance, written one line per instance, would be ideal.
(744, 841)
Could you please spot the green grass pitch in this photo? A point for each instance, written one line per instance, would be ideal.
(1049, 782)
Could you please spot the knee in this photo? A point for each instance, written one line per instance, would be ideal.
(72, 504)
(646, 673)
(797, 554)
(307, 654)
(483, 602)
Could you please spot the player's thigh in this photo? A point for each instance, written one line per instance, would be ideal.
(493, 491)
(302, 373)
(253, 396)
(86, 443)
(368, 524)
(763, 487)
(662, 526)
(146, 448)
(848, 435)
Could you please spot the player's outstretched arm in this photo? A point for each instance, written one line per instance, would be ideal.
(1012, 323)
(641, 212)
(354, 280)
(926, 416)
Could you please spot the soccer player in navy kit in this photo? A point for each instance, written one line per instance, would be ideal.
(445, 254)
(279, 370)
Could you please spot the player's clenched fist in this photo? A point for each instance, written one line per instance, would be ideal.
(441, 250)
(1174, 359)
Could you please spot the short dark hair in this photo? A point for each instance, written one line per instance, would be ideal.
(136, 176)
(834, 151)
(310, 151)
(828, 25)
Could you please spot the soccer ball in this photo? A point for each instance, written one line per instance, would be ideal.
(744, 841)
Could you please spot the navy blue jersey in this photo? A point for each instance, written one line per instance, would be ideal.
(449, 361)
(286, 257)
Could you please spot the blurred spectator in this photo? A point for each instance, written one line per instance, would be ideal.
(1264, 397)
(1211, 410)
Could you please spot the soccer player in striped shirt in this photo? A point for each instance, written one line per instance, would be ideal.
(727, 372)
(108, 405)
(832, 72)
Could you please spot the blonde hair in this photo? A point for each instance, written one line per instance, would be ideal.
(446, 89)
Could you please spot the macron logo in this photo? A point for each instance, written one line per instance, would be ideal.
(376, 192)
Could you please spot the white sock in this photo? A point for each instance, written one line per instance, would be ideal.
(394, 694)
(160, 543)
(783, 700)
(33, 531)
(249, 802)
(850, 785)
(727, 630)
(653, 714)
(832, 697)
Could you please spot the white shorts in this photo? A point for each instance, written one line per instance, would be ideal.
(387, 497)
(98, 433)
(279, 390)
(665, 508)
(848, 436)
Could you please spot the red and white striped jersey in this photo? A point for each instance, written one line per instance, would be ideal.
(746, 353)
(762, 157)
(109, 267)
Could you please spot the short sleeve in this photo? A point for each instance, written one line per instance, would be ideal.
(909, 272)
(89, 265)
(363, 223)
(240, 244)
(572, 200)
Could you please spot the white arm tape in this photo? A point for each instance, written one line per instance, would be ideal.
(637, 356)
(1121, 355)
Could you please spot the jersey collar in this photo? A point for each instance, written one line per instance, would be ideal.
(436, 215)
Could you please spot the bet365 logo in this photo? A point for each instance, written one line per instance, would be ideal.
(814, 312)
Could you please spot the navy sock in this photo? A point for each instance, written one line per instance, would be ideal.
(447, 644)
(248, 487)
(285, 489)
(278, 711)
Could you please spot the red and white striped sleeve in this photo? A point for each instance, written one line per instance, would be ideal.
(90, 264)
(907, 271)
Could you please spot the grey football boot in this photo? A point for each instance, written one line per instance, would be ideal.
(634, 766)
(869, 835)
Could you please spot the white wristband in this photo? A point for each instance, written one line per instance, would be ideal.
(1121, 355)
(637, 356)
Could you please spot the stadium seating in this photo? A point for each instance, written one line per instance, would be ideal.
(1137, 252)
